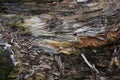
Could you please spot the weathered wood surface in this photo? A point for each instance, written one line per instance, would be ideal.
(27, 0)
(99, 40)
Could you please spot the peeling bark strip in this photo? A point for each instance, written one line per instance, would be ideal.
(100, 39)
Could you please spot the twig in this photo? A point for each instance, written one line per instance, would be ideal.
(60, 64)
(88, 63)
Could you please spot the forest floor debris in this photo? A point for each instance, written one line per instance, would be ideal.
(27, 34)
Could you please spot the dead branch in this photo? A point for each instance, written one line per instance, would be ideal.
(101, 39)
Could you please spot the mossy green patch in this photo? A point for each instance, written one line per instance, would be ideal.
(2, 9)
(23, 30)
(17, 26)
(5, 66)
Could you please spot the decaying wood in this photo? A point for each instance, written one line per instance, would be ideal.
(43, 1)
(101, 39)
(94, 9)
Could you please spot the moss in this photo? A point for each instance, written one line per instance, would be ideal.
(2, 9)
(5, 66)
(17, 26)
(23, 30)
(26, 33)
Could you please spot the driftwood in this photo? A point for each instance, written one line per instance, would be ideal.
(101, 39)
